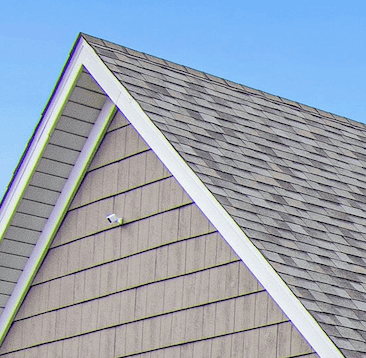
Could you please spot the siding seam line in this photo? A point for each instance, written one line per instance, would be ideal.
(161, 315)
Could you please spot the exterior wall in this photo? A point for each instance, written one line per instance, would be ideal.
(164, 284)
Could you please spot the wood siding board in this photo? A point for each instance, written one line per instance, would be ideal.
(298, 344)
(9, 274)
(134, 142)
(284, 340)
(66, 232)
(118, 121)
(81, 112)
(32, 207)
(41, 194)
(22, 235)
(68, 140)
(221, 347)
(15, 247)
(107, 155)
(87, 98)
(6, 287)
(61, 154)
(73, 125)
(268, 342)
(3, 299)
(70, 347)
(9, 345)
(107, 343)
(48, 181)
(11, 260)
(237, 344)
(32, 222)
(55, 350)
(86, 81)
(53, 167)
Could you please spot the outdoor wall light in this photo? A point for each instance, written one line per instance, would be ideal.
(113, 218)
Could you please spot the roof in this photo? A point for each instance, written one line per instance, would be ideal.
(284, 183)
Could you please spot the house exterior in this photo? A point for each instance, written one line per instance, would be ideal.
(243, 229)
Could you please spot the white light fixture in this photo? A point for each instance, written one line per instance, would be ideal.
(113, 218)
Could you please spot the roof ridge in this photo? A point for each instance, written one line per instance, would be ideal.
(99, 42)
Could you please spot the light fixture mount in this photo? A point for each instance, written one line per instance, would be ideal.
(113, 218)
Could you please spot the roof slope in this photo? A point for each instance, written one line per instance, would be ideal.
(292, 177)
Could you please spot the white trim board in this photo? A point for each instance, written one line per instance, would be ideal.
(250, 255)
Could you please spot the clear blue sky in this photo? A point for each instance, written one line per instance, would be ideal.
(312, 52)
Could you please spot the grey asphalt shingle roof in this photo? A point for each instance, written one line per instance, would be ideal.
(293, 177)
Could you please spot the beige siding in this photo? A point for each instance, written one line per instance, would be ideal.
(164, 284)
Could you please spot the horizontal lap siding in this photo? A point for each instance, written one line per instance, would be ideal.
(164, 284)
(47, 182)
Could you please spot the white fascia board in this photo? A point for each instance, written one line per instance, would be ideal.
(33, 156)
(213, 210)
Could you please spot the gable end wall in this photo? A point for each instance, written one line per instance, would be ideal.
(164, 284)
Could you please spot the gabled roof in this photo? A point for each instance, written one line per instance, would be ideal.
(283, 183)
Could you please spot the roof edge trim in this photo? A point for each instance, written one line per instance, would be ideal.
(213, 210)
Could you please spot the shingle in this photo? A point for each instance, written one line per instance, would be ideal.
(331, 329)
(311, 305)
(351, 353)
(348, 323)
(358, 345)
(135, 53)
(93, 39)
(175, 66)
(299, 282)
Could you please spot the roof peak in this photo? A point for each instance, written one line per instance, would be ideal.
(219, 81)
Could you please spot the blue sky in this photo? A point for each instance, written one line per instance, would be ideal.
(312, 52)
